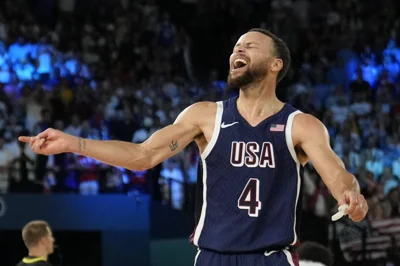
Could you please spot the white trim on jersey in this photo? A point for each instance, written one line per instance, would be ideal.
(197, 256)
(206, 152)
(288, 135)
(217, 128)
(289, 257)
(289, 143)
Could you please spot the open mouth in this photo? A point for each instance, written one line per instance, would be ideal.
(239, 63)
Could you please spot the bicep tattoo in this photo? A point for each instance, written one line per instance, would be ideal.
(174, 145)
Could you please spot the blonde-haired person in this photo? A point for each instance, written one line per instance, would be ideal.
(39, 241)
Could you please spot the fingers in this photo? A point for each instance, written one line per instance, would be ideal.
(45, 134)
(37, 144)
(360, 210)
(352, 202)
(30, 140)
(357, 205)
(42, 135)
(24, 139)
(357, 215)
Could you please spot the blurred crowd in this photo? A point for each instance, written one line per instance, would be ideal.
(115, 70)
(123, 69)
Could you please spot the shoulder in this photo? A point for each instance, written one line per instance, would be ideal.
(198, 112)
(37, 263)
(203, 106)
(308, 127)
(42, 263)
(303, 120)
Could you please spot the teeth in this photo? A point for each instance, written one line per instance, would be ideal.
(238, 62)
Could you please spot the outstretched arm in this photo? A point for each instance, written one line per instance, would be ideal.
(161, 145)
(312, 137)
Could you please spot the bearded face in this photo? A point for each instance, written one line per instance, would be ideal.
(249, 61)
(244, 71)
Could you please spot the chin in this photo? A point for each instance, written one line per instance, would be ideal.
(239, 80)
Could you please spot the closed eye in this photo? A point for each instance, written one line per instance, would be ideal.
(249, 45)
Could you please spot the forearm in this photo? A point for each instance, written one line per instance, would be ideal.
(344, 181)
(116, 153)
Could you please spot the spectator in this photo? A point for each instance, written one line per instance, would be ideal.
(314, 254)
(174, 179)
(6, 158)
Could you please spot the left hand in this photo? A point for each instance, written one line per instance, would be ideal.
(358, 206)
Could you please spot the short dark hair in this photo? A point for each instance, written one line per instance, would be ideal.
(33, 232)
(312, 251)
(281, 51)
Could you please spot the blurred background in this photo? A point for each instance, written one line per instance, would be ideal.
(122, 69)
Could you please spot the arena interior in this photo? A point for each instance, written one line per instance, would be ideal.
(121, 70)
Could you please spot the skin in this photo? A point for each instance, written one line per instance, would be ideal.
(257, 101)
(44, 247)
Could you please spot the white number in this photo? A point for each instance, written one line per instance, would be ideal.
(250, 198)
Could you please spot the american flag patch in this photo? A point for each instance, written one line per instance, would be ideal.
(277, 127)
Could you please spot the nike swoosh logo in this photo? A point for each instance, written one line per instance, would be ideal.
(223, 125)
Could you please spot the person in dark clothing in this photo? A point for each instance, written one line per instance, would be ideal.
(39, 241)
(20, 172)
(314, 254)
(41, 160)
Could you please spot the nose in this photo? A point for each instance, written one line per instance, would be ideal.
(239, 49)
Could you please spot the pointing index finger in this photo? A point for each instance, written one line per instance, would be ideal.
(25, 139)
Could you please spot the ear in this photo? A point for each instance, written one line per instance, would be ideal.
(277, 65)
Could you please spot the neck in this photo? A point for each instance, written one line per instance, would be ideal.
(259, 99)
(38, 252)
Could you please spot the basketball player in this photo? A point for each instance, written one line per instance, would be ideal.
(253, 149)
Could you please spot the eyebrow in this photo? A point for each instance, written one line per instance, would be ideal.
(247, 44)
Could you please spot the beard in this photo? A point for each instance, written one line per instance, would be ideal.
(249, 76)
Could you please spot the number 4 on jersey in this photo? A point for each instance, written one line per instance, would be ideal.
(250, 197)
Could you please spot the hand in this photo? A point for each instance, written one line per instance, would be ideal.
(358, 206)
(49, 142)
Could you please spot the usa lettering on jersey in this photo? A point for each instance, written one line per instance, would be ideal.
(251, 155)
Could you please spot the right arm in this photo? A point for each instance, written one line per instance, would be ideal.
(162, 145)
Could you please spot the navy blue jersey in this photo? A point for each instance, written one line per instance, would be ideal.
(250, 182)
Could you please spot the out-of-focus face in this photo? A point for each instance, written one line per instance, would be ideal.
(75, 120)
(251, 59)
(48, 242)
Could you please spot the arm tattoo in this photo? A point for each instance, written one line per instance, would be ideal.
(174, 145)
(82, 144)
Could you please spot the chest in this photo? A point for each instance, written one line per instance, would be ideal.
(242, 146)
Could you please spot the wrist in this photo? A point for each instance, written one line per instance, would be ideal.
(73, 144)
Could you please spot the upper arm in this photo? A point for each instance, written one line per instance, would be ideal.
(172, 139)
(312, 137)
